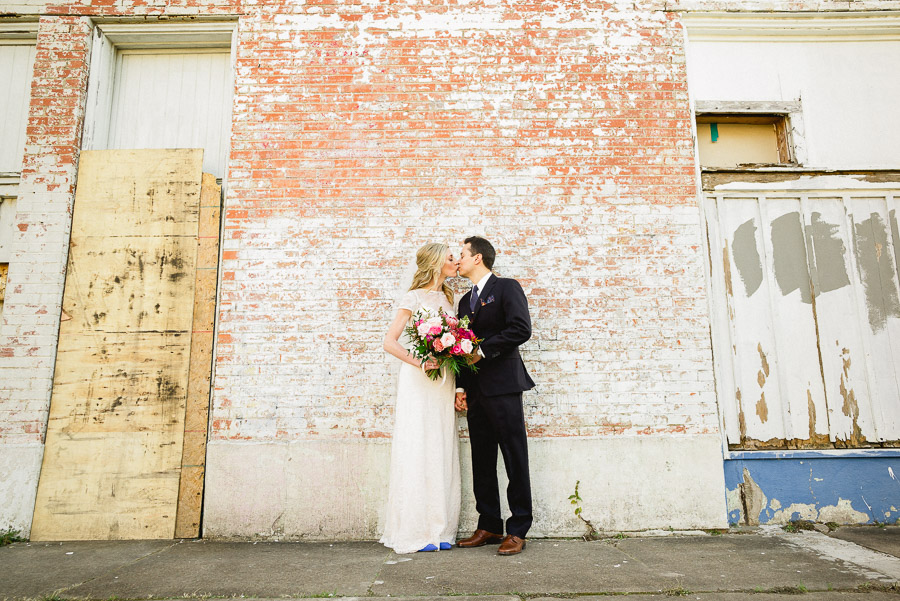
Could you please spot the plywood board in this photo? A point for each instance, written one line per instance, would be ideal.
(112, 462)
(190, 496)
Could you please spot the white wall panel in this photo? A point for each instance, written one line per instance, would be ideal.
(848, 90)
(173, 100)
(16, 67)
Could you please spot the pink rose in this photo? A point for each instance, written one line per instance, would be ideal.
(456, 350)
(448, 340)
(438, 346)
(466, 346)
(435, 330)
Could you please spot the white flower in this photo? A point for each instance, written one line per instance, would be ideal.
(448, 340)
(466, 346)
(423, 329)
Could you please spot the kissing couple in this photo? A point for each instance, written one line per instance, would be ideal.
(423, 504)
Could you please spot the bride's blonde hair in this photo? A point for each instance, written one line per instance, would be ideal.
(429, 262)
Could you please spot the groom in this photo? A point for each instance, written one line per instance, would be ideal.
(498, 313)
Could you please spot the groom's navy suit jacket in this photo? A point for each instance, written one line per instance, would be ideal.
(501, 318)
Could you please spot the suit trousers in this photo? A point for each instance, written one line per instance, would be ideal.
(498, 422)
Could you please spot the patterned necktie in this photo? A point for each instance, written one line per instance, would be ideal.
(473, 300)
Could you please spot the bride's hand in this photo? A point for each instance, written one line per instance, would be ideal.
(431, 364)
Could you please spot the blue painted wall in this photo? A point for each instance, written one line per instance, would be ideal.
(869, 479)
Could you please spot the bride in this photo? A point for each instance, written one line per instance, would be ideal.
(422, 511)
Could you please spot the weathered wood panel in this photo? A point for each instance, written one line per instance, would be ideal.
(809, 281)
(190, 495)
(878, 292)
(721, 291)
(756, 384)
(800, 402)
(113, 455)
(838, 317)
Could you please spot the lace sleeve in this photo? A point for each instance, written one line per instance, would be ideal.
(410, 302)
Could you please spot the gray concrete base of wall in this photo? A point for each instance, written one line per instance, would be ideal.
(20, 467)
(335, 489)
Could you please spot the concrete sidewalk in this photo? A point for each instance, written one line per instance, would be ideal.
(767, 563)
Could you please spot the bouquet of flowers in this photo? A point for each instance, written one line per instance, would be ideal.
(444, 338)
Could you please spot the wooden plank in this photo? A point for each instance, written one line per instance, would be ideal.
(190, 495)
(838, 320)
(753, 342)
(722, 288)
(878, 292)
(113, 455)
(890, 408)
(801, 394)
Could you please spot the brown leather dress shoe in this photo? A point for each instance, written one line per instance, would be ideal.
(479, 539)
(511, 545)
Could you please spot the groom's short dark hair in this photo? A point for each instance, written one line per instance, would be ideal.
(482, 247)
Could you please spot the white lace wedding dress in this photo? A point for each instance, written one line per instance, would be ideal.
(424, 492)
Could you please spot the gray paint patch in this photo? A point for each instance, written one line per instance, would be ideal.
(876, 268)
(789, 254)
(746, 256)
(828, 251)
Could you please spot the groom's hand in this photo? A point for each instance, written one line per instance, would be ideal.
(460, 402)
(474, 358)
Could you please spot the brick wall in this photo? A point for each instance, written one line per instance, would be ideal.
(44, 212)
(561, 134)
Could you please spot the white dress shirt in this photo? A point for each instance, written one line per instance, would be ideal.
(480, 285)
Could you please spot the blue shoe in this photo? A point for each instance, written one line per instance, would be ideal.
(428, 547)
(446, 546)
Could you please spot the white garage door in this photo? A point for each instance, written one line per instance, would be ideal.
(16, 66)
(173, 99)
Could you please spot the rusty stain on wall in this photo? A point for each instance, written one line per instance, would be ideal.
(789, 256)
(762, 410)
(726, 266)
(877, 271)
(729, 290)
(746, 256)
(850, 407)
(742, 421)
(815, 440)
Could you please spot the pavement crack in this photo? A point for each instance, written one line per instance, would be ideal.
(116, 568)
(369, 591)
